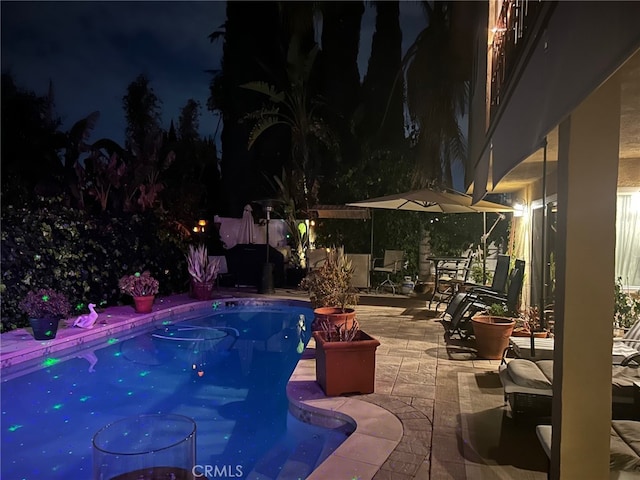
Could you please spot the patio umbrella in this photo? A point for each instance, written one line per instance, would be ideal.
(245, 232)
(428, 200)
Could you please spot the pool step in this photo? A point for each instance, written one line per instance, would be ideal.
(303, 459)
(280, 463)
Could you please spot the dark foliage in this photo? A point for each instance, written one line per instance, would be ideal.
(83, 256)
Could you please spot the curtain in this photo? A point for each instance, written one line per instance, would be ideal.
(628, 239)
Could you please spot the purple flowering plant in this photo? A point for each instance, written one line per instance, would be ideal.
(45, 303)
(139, 284)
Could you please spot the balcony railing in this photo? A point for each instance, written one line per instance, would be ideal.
(513, 28)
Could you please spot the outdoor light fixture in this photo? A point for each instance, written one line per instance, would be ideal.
(200, 226)
(518, 210)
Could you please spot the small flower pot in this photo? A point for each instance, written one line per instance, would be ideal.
(44, 328)
(144, 304)
(202, 291)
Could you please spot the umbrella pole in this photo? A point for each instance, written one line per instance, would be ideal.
(266, 282)
(484, 248)
(371, 234)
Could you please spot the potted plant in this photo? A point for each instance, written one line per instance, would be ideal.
(203, 271)
(345, 358)
(45, 308)
(142, 287)
(330, 290)
(492, 329)
(528, 323)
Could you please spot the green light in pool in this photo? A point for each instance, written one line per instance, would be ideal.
(145, 373)
(57, 406)
(111, 341)
(85, 398)
(13, 428)
(49, 362)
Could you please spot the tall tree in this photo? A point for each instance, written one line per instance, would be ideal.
(189, 122)
(437, 94)
(338, 75)
(296, 110)
(142, 113)
(148, 157)
(381, 115)
(251, 39)
(29, 160)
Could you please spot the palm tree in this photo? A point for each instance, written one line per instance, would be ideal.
(293, 108)
(436, 97)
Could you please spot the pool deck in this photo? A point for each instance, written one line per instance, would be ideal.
(410, 428)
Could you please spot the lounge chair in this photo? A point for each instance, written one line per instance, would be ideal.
(528, 388)
(624, 460)
(626, 350)
(500, 277)
(476, 302)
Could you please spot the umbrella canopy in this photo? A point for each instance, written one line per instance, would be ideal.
(245, 232)
(427, 200)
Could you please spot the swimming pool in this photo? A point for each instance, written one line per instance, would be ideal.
(227, 369)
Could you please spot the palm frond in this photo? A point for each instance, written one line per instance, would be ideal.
(265, 89)
(262, 113)
(260, 127)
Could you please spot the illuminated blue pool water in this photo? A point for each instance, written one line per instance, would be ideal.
(228, 371)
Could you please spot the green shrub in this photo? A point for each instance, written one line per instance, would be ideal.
(84, 256)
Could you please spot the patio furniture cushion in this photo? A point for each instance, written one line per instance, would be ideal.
(625, 445)
(528, 374)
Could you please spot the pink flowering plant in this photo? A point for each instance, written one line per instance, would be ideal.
(45, 303)
(139, 284)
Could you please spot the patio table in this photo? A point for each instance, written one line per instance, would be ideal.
(454, 270)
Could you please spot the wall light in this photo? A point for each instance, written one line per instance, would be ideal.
(518, 210)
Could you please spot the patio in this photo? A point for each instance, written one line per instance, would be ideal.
(450, 405)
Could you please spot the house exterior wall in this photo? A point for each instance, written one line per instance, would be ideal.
(571, 44)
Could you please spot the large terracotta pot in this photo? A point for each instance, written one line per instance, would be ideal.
(346, 367)
(492, 335)
(144, 304)
(335, 315)
(44, 328)
(202, 291)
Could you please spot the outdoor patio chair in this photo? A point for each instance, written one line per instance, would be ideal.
(528, 388)
(476, 302)
(625, 352)
(392, 263)
(499, 280)
(498, 286)
(624, 460)
(451, 273)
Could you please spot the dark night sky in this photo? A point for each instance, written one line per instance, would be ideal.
(93, 50)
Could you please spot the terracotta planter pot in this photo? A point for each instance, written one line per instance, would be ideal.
(335, 315)
(144, 304)
(44, 328)
(202, 291)
(492, 335)
(346, 367)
